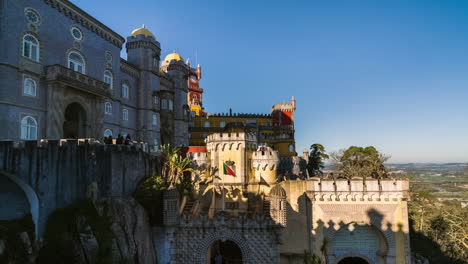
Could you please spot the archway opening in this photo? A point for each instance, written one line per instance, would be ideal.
(74, 125)
(226, 252)
(353, 260)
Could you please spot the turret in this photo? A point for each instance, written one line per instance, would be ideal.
(265, 162)
(143, 50)
(199, 75)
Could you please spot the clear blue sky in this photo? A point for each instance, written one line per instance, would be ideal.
(392, 74)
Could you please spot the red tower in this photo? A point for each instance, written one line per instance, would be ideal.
(283, 113)
(195, 92)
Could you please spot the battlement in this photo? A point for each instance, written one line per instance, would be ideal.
(358, 189)
(233, 136)
(247, 115)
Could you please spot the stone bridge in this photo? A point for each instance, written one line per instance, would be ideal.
(37, 177)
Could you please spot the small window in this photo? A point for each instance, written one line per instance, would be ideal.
(32, 16)
(108, 57)
(207, 124)
(155, 120)
(31, 47)
(171, 105)
(222, 124)
(164, 103)
(125, 90)
(108, 78)
(155, 100)
(108, 108)
(107, 133)
(29, 87)
(76, 62)
(125, 114)
(28, 128)
(291, 148)
(76, 33)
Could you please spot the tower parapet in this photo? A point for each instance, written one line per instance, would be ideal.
(265, 162)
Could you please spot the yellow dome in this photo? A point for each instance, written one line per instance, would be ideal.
(142, 31)
(173, 56)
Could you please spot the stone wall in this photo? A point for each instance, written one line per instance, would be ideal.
(54, 174)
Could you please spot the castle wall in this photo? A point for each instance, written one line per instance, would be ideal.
(320, 209)
(63, 172)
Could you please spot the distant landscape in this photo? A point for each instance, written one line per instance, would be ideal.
(447, 181)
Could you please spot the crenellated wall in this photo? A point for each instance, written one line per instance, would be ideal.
(56, 173)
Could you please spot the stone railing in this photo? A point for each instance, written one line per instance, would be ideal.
(77, 80)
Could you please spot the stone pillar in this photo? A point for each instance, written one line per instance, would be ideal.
(55, 111)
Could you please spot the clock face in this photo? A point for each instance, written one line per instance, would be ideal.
(193, 78)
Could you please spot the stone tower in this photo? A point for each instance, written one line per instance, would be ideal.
(144, 51)
(233, 149)
(177, 71)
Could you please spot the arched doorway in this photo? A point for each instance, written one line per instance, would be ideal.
(74, 125)
(226, 252)
(353, 260)
(358, 243)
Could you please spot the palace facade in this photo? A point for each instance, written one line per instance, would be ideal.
(61, 76)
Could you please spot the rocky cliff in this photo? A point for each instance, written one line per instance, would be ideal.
(88, 232)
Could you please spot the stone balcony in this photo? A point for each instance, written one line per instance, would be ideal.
(85, 83)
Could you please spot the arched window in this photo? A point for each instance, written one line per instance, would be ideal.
(107, 132)
(76, 62)
(125, 90)
(291, 148)
(125, 114)
(164, 103)
(28, 128)
(108, 78)
(31, 47)
(207, 124)
(155, 120)
(155, 99)
(171, 105)
(222, 124)
(29, 87)
(108, 108)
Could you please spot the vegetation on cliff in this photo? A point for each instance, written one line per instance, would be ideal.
(64, 227)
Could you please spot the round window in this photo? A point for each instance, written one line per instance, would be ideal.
(32, 16)
(76, 33)
(108, 57)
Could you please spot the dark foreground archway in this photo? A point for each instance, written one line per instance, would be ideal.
(353, 260)
(74, 125)
(226, 252)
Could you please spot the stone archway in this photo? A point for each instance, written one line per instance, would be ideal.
(353, 260)
(31, 197)
(223, 235)
(224, 252)
(74, 125)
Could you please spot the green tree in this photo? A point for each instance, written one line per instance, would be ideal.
(174, 166)
(316, 157)
(360, 162)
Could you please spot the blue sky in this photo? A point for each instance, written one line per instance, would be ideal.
(392, 74)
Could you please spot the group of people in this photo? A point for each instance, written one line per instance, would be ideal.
(119, 141)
